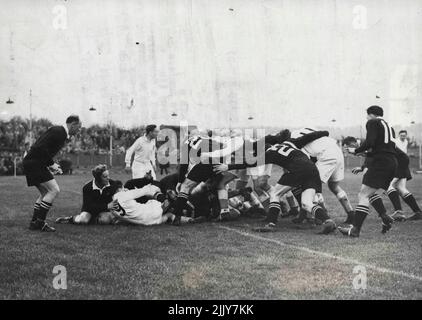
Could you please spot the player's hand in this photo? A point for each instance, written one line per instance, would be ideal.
(113, 206)
(55, 169)
(128, 169)
(220, 168)
(357, 170)
(178, 186)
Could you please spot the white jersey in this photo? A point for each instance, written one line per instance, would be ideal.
(330, 159)
(319, 148)
(149, 213)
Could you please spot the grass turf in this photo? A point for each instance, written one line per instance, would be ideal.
(205, 261)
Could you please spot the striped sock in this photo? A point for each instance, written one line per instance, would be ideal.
(273, 211)
(361, 213)
(395, 199)
(44, 208)
(376, 201)
(180, 203)
(320, 213)
(411, 202)
(36, 210)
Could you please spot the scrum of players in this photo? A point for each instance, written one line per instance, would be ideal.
(210, 161)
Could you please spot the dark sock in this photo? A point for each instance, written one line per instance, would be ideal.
(36, 210)
(395, 199)
(320, 213)
(411, 202)
(274, 211)
(180, 203)
(361, 213)
(376, 201)
(44, 208)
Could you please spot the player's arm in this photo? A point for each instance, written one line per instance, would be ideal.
(308, 138)
(130, 151)
(371, 137)
(233, 145)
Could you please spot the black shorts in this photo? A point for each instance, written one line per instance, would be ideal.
(201, 172)
(403, 171)
(381, 171)
(305, 176)
(36, 172)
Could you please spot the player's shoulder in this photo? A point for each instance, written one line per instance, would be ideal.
(87, 185)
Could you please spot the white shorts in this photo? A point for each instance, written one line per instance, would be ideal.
(331, 167)
(140, 169)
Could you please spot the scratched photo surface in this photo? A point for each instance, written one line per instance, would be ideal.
(124, 129)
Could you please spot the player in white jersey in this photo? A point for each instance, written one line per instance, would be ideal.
(145, 150)
(330, 164)
(133, 212)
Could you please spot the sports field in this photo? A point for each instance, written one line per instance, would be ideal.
(203, 261)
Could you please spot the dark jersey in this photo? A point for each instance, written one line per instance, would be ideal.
(190, 152)
(379, 138)
(48, 145)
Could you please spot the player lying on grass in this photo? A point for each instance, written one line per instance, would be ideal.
(330, 163)
(299, 170)
(97, 199)
(39, 167)
(152, 212)
(380, 146)
(397, 186)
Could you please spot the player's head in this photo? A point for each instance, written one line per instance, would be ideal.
(73, 124)
(101, 175)
(284, 135)
(151, 131)
(119, 186)
(374, 112)
(403, 135)
(350, 142)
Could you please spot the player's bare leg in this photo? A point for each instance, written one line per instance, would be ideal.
(223, 196)
(48, 192)
(410, 200)
(293, 204)
(318, 212)
(341, 195)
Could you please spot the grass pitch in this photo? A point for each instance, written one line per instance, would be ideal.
(204, 261)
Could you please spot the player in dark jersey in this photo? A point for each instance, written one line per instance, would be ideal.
(380, 146)
(397, 186)
(299, 171)
(38, 165)
(193, 170)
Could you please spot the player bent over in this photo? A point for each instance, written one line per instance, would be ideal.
(147, 214)
(38, 166)
(97, 199)
(299, 170)
(330, 163)
(380, 146)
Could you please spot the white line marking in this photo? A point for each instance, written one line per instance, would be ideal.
(325, 254)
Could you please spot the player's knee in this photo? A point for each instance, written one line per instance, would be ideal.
(334, 187)
(105, 218)
(82, 218)
(307, 205)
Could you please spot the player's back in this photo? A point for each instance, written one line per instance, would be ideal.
(381, 136)
(318, 148)
(286, 155)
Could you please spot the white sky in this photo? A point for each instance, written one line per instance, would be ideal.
(285, 63)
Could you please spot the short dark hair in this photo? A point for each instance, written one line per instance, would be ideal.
(403, 131)
(72, 118)
(149, 128)
(375, 110)
(348, 140)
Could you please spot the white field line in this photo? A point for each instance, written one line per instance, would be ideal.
(325, 254)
